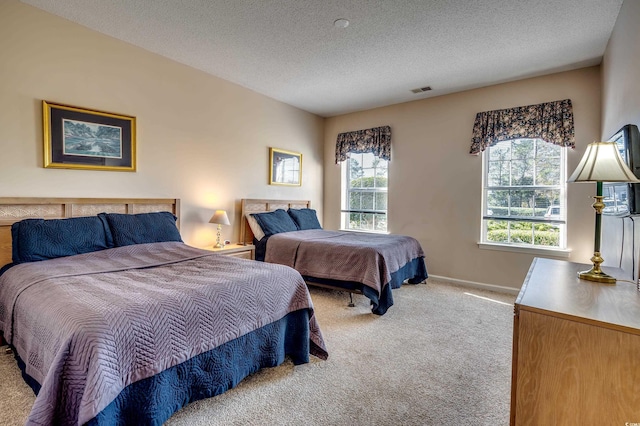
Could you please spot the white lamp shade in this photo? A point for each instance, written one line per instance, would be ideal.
(220, 217)
(602, 163)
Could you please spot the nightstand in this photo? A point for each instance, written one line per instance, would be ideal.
(236, 250)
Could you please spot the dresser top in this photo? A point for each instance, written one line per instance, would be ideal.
(553, 287)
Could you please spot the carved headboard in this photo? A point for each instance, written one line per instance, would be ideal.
(250, 205)
(15, 209)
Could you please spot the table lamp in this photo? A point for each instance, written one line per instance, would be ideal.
(600, 163)
(219, 217)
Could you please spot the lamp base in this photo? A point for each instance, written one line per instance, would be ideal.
(600, 277)
(595, 273)
(218, 243)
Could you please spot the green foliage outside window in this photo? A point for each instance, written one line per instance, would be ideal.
(548, 238)
(367, 193)
(523, 180)
(542, 234)
(368, 222)
(369, 182)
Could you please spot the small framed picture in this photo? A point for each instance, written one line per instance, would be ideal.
(285, 167)
(78, 138)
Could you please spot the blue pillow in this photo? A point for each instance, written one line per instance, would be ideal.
(142, 228)
(40, 239)
(275, 222)
(305, 218)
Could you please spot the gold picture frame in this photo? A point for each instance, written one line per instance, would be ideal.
(285, 167)
(79, 138)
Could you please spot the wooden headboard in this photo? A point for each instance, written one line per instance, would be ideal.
(15, 209)
(250, 205)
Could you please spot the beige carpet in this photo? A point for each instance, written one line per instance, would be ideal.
(440, 356)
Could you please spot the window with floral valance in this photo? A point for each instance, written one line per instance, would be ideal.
(524, 174)
(365, 156)
(376, 140)
(549, 121)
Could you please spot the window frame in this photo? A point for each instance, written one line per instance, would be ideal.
(346, 190)
(559, 251)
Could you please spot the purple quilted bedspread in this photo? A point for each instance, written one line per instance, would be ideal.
(369, 259)
(87, 326)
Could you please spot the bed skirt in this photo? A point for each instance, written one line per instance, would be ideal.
(413, 272)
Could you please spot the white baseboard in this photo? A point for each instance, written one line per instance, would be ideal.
(465, 283)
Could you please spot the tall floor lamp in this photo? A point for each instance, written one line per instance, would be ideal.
(600, 163)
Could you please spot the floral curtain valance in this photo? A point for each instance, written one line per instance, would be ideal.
(550, 121)
(376, 140)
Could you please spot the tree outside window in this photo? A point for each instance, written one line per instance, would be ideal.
(365, 189)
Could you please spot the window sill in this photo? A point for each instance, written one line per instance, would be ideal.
(361, 231)
(555, 252)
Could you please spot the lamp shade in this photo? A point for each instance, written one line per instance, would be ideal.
(220, 217)
(602, 162)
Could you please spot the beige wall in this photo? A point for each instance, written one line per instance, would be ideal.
(201, 139)
(205, 141)
(621, 71)
(435, 185)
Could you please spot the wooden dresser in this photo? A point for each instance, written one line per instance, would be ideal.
(576, 349)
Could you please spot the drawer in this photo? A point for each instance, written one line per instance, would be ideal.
(242, 254)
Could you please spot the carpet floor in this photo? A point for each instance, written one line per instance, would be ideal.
(440, 356)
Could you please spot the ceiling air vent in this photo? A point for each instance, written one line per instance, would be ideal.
(421, 89)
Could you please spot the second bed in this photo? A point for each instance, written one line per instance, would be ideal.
(370, 264)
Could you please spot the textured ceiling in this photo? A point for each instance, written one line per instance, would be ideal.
(289, 49)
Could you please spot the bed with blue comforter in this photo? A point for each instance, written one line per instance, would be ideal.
(367, 263)
(115, 323)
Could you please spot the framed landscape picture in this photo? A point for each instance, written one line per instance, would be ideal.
(285, 167)
(78, 138)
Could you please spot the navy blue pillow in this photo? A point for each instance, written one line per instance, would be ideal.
(40, 239)
(142, 228)
(305, 218)
(275, 222)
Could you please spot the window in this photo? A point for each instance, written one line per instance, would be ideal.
(524, 194)
(364, 193)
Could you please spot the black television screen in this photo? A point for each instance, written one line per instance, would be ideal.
(622, 199)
